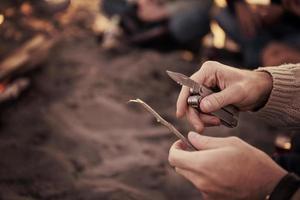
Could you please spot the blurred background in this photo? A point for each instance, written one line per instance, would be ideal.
(68, 68)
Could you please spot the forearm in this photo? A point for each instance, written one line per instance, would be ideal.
(283, 106)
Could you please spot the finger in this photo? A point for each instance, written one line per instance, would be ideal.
(201, 120)
(185, 173)
(189, 175)
(209, 120)
(202, 142)
(218, 100)
(182, 102)
(205, 76)
(193, 118)
(180, 158)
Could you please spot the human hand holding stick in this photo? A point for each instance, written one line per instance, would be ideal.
(165, 123)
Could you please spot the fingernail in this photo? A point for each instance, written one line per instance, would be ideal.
(205, 105)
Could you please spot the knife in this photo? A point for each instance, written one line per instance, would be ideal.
(228, 114)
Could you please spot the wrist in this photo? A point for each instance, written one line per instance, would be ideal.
(273, 180)
(264, 86)
(286, 188)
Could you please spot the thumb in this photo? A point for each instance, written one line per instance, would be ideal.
(202, 142)
(218, 100)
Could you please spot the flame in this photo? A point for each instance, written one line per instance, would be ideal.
(221, 3)
(2, 18)
(260, 2)
(219, 36)
(283, 142)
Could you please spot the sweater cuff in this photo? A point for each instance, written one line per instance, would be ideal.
(284, 88)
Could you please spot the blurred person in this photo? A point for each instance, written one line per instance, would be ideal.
(268, 34)
(183, 22)
(229, 168)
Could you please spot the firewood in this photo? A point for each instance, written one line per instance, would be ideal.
(13, 90)
(27, 56)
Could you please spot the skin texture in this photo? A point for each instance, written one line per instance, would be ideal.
(151, 11)
(226, 168)
(247, 90)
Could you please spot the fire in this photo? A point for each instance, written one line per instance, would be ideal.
(219, 35)
(283, 141)
(1, 19)
(261, 2)
(221, 3)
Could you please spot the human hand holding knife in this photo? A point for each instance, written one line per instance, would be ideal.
(228, 114)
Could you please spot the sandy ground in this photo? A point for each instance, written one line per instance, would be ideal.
(72, 135)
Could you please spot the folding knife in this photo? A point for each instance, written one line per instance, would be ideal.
(228, 114)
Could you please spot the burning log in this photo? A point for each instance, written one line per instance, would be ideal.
(27, 56)
(13, 90)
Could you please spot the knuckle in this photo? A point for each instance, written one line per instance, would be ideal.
(234, 140)
(209, 64)
(219, 100)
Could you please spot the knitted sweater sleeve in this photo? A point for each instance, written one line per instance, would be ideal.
(283, 106)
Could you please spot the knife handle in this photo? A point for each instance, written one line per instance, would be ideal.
(228, 115)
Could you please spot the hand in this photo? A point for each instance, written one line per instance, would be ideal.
(244, 89)
(226, 168)
(151, 11)
(249, 22)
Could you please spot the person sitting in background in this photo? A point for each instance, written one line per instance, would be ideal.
(183, 22)
(267, 34)
(228, 168)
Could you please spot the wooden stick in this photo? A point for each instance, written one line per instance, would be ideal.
(26, 57)
(167, 124)
(13, 90)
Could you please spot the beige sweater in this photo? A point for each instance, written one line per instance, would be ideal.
(283, 106)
